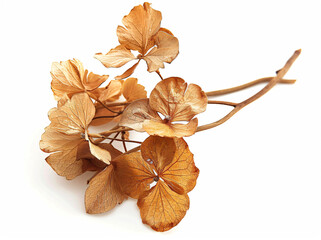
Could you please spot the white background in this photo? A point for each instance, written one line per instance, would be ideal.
(260, 172)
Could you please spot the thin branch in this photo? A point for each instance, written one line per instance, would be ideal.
(115, 104)
(123, 140)
(107, 107)
(269, 86)
(99, 117)
(222, 102)
(121, 129)
(247, 85)
(133, 150)
(159, 74)
(114, 138)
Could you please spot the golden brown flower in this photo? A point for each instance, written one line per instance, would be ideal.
(65, 139)
(142, 33)
(69, 77)
(175, 101)
(169, 163)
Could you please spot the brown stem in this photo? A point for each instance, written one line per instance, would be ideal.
(158, 72)
(107, 107)
(115, 104)
(121, 129)
(114, 138)
(123, 140)
(222, 102)
(133, 150)
(271, 84)
(246, 85)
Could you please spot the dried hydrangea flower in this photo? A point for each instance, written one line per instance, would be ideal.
(142, 33)
(173, 99)
(169, 163)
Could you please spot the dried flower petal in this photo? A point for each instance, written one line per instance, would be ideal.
(69, 77)
(104, 192)
(166, 50)
(142, 23)
(132, 90)
(170, 164)
(116, 57)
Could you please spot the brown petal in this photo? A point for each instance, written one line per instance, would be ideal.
(166, 50)
(133, 173)
(103, 192)
(142, 23)
(169, 98)
(182, 170)
(195, 102)
(132, 90)
(93, 81)
(161, 208)
(158, 151)
(67, 77)
(74, 116)
(116, 57)
(167, 94)
(84, 153)
(112, 91)
(170, 130)
(65, 164)
(100, 153)
(128, 72)
(137, 113)
(52, 141)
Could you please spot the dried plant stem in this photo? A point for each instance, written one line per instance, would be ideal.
(123, 140)
(269, 86)
(247, 85)
(121, 129)
(222, 103)
(107, 107)
(114, 139)
(159, 74)
(133, 150)
(115, 104)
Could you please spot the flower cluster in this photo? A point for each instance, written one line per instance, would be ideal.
(160, 172)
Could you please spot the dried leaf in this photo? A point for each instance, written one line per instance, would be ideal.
(175, 101)
(133, 174)
(170, 98)
(142, 23)
(69, 77)
(132, 90)
(74, 116)
(137, 113)
(66, 133)
(170, 130)
(161, 208)
(170, 164)
(84, 153)
(166, 50)
(100, 153)
(116, 57)
(128, 72)
(103, 192)
(112, 92)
